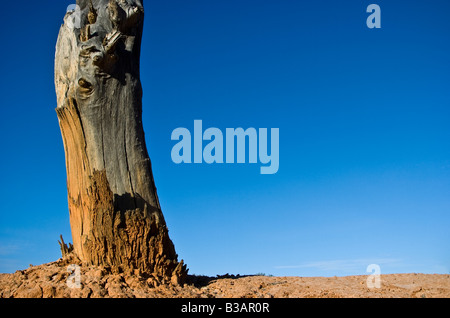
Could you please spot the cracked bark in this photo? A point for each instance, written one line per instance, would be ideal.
(115, 215)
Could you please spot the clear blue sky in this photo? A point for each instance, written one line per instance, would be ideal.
(364, 134)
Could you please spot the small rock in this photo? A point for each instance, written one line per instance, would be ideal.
(35, 292)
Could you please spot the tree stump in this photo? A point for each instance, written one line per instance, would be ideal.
(115, 215)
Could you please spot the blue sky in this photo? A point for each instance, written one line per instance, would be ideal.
(364, 134)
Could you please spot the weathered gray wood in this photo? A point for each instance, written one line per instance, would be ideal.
(115, 214)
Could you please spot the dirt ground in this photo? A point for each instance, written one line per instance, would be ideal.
(50, 281)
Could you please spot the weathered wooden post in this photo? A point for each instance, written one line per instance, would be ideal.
(115, 215)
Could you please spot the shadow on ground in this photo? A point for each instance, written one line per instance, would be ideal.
(202, 281)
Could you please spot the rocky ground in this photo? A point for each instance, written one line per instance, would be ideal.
(50, 281)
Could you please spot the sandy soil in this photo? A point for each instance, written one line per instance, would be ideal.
(50, 281)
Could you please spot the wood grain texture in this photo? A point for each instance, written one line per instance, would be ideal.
(115, 213)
